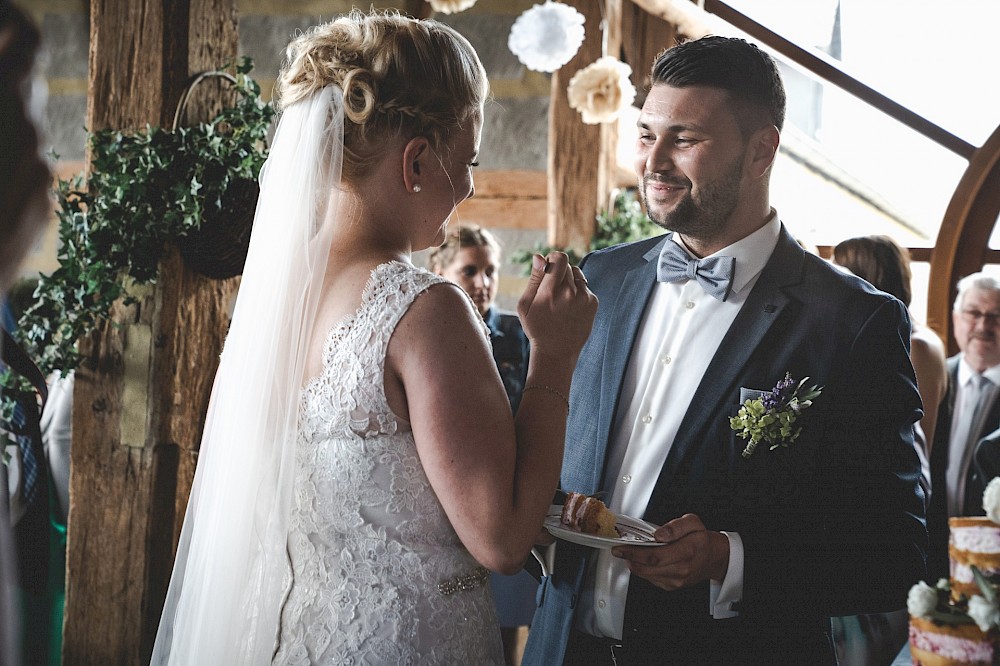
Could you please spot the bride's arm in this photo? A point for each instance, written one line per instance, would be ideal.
(494, 477)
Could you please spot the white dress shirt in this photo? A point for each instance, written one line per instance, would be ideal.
(960, 453)
(679, 335)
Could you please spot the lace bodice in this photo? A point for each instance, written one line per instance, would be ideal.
(371, 553)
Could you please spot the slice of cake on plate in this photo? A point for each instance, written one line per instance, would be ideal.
(589, 515)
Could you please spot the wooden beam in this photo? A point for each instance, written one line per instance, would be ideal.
(961, 245)
(607, 158)
(141, 394)
(573, 162)
(649, 35)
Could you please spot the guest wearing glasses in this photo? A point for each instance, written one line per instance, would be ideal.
(969, 412)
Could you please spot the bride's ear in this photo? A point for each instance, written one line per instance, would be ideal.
(415, 155)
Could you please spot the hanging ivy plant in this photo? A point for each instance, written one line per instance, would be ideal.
(146, 189)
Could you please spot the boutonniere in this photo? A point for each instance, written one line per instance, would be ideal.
(771, 417)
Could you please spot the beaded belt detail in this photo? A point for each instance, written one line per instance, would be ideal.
(469, 581)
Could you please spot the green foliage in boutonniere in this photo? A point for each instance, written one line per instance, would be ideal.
(771, 418)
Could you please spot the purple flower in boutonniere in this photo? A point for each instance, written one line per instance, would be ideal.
(771, 417)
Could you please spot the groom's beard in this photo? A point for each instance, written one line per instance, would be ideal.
(701, 214)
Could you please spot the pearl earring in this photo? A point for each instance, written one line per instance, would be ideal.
(416, 188)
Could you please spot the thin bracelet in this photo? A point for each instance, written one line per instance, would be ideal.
(550, 390)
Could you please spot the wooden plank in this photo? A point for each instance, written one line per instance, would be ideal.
(126, 497)
(510, 184)
(503, 213)
(651, 35)
(607, 157)
(110, 496)
(573, 164)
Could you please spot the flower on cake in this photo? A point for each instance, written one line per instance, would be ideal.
(922, 600)
(984, 612)
(984, 608)
(935, 604)
(601, 90)
(772, 417)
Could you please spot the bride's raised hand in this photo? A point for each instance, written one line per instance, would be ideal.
(557, 309)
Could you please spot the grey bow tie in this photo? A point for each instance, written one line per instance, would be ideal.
(714, 274)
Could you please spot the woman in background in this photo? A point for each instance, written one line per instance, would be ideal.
(470, 257)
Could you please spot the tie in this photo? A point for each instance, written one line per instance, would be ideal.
(714, 274)
(963, 444)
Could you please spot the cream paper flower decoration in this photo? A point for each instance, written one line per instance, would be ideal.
(546, 36)
(601, 90)
(451, 6)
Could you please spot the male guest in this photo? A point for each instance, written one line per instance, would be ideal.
(970, 412)
(760, 547)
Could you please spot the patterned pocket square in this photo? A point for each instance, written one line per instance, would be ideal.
(750, 394)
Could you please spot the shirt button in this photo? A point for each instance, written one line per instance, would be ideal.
(689, 305)
(602, 603)
(647, 419)
(665, 360)
(627, 478)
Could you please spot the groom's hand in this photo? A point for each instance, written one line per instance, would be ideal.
(690, 555)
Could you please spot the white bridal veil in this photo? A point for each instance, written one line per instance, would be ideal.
(224, 599)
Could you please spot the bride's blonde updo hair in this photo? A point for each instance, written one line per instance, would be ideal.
(399, 76)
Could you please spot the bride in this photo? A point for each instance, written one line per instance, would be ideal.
(360, 469)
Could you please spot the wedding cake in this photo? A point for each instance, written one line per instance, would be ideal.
(957, 622)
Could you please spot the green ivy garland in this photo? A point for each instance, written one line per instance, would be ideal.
(146, 189)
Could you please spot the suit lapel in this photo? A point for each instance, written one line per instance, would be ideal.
(630, 305)
(762, 308)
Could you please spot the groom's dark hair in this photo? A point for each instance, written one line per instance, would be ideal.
(749, 75)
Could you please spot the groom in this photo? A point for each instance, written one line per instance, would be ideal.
(762, 547)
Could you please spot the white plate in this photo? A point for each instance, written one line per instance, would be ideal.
(634, 532)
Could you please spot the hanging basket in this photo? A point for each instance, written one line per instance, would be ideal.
(218, 248)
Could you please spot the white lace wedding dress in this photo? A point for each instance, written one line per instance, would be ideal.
(377, 574)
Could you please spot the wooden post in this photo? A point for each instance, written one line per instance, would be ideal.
(579, 154)
(141, 395)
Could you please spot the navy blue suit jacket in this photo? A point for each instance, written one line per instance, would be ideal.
(831, 525)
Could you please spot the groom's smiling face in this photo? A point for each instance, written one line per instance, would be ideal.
(690, 159)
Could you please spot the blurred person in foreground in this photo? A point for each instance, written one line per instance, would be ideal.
(470, 257)
(24, 209)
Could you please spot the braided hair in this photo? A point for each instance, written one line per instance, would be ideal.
(401, 77)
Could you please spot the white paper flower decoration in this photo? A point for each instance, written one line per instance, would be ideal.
(451, 6)
(546, 36)
(601, 90)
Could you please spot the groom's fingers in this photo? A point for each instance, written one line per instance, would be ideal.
(678, 528)
(681, 562)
